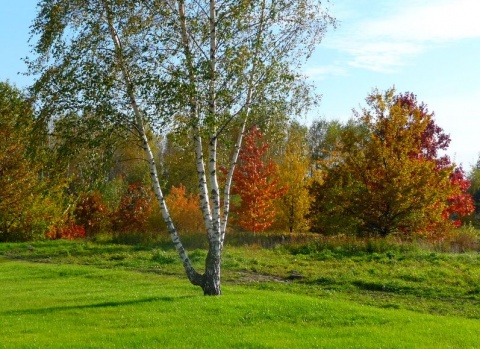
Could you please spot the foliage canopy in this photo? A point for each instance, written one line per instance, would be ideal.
(387, 178)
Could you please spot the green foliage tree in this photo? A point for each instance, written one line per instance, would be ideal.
(474, 189)
(139, 64)
(18, 176)
(383, 181)
(177, 163)
(84, 149)
(322, 138)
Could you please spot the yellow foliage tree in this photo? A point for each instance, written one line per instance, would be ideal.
(294, 167)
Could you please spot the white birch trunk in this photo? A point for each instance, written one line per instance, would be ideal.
(211, 215)
(238, 144)
(194, 277)
(199, 160)
(213, 262)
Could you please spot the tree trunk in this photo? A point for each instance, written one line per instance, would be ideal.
(195, 278)
(211, 278)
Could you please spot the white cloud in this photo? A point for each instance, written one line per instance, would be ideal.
(322, 72)
(389, 39)
(429, 21)
(382, 56)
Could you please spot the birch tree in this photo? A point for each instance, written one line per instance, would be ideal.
(140, 64)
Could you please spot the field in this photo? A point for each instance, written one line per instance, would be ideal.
(78, 294)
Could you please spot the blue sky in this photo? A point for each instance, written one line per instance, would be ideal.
(428, 47)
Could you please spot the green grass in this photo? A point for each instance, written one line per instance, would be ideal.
(89, 295)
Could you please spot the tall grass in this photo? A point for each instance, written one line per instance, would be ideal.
(464, 239)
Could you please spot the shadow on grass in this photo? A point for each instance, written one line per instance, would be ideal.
(384, 287)
(50, 310)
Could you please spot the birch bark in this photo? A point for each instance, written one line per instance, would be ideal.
(194, 277)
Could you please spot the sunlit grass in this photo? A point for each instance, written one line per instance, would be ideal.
(72, 306)
(411, 279)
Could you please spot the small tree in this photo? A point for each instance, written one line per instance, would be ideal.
(185, 210)
(293, 170)
(461, 203)
(256, 183)
(134, 210)
(91, 213)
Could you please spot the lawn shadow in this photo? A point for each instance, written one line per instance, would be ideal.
(91, 306)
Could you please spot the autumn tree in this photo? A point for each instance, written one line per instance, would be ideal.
(434, 140)
(256, 182)
(30, 201)
(386, 180)
(17, 175)
(90, 213)
(138, 64)
(134, 209)
(461, 203)
(185, 209)
(293, 172)
(474, 189)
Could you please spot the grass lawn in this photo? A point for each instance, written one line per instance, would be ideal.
(84, 295)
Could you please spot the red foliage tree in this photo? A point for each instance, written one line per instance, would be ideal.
(134, 209)
(91, 213)
(257, 184)
(461, 203)
(432, 141)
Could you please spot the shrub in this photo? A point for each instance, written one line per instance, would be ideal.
(185, 211)
(463, 239)
(69, 231)
(91, 213)
(133, 211)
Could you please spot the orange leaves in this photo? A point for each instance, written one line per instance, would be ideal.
(257, 184)
(294, 170)
(185, 210)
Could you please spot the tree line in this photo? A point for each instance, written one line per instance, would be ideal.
(382, 172)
